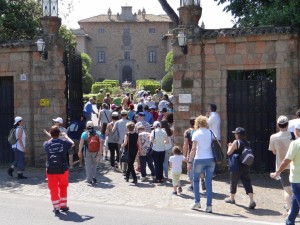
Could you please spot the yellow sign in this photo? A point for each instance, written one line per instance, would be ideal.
(44, 102)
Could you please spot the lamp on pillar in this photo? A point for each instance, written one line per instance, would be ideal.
(189, 2)
(182, 42)
(50, 7)
(190, 12)
(41, 48)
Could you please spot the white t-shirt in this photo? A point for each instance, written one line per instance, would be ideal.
(292, 124)
(203, 138)
(176, 161)
(214, 122)
(160, 137)
(17, 145)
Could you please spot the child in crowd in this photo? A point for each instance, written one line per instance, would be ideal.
(176, 164)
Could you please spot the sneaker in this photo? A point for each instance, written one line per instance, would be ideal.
(252, 205)
(190, 188)
(229, 200)
(71, 169)
(143, 179)
(174, 193)
(179, 189)
(10, 171)
(56, 211)
(208, 209)
(89, 182)
(195, 206)
(94, 181)
(64, 209)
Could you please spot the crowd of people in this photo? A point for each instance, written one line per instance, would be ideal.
(141, 133)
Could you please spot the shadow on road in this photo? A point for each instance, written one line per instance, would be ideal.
(74, 217)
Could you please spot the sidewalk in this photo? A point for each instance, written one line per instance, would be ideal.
(112, 189)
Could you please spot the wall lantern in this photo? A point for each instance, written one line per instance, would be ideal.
(189, 2)
(41, 48)
(182, 42)
(50, 7)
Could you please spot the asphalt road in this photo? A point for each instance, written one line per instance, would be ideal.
(18, 209)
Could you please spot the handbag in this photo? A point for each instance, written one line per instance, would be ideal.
(125, 152)
(149, 151)
(216, 149)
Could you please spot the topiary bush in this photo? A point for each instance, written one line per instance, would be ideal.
(99, 85)
(147, 85)
(167, 82)
(87, 82)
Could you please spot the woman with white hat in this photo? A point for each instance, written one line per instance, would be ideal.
(19, 149)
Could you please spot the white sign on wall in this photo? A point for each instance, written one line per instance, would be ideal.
(183, 108)
(185, 98)
(23, 76)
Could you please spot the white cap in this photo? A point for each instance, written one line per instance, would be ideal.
(18, 119)
(90, 124)
(156, 124)
(58, 120)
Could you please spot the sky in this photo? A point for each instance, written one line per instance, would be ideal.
(212, 14)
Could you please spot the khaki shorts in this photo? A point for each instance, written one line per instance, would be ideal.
(175, 179)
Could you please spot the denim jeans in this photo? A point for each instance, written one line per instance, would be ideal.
(168, 153)
(19, 160)
(295, 204)
(147, 160)
(206, 166)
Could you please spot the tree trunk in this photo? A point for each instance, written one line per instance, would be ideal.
(170, 12)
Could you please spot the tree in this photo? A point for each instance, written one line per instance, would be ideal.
(170, 12)
(68, 36)
(167, 80)
(249, 13)
(19, 19)
(87, 79)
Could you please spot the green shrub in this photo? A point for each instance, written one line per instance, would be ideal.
(167, 82)
(87, 82)
(86, 97)
(114, 83)
(99, 85)
(147, 85)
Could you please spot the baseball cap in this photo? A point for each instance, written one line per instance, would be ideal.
(58, 120)
(156, 124)
(282, 120)
(152, 107)
(124, 112)
(90, 124)
(131, 106)
(140, 107)
(164, 110)
(115, 114)
(18, 119)
(239, 130)
(113, 106)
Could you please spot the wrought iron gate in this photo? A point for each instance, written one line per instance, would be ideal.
(251, 103)
(6, 117)
(73, 92)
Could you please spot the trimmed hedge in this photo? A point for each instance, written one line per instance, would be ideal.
(99, 85)
(147, 85)
(167, 82)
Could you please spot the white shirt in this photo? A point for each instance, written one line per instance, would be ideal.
(176, 161)
(17, 145)
(160, 137)
(292, 124)
(162, 104)
(203, 138)
(214, 122)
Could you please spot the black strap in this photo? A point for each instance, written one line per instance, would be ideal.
(106, 116)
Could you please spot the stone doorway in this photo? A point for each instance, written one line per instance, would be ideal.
(6, 117)
(251, 103)
(127, 74)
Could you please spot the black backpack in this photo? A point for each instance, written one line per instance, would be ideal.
(247, 156)
(56, 164)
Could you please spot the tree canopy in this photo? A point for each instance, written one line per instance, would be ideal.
(19, 19)
(249, 13)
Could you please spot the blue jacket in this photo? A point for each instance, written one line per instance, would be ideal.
(234, 163)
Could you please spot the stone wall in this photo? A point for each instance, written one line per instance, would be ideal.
(45, 79)
(209, 59)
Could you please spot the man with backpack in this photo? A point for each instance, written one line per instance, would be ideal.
(90, 146)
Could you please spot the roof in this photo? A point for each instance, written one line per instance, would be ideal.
(79, 32)
(116, 18)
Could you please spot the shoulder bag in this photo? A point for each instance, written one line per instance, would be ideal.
(125, 152)
(216, 149)
(150, 149)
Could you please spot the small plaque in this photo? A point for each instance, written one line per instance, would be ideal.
(23, 76)
(183, 108)
(44, 102)
(185, 98)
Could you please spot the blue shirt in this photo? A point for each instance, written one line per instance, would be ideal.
(57, 146)
(75, 135)
(88, 108)
(148, 117)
